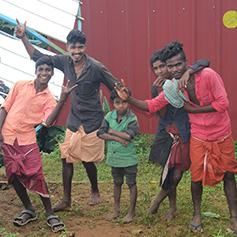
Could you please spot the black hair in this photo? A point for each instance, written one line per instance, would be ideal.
(157, 55)
(114, 94)
(75, 36)
(44, 60)
(171, 50)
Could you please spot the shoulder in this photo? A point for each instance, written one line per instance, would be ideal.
(94, 62)
(207, 72)
(96, 65)
(23, 83)
(108, 115)
(131, 115)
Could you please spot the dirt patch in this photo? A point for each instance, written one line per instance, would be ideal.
(83, 220)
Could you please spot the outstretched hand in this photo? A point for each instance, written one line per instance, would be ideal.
(20, 30)
(122, 91)
(66, 91)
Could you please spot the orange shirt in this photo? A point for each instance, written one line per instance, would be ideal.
(25, 109)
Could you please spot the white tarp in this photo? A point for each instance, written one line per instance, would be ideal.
(15, 64)
(54, 18)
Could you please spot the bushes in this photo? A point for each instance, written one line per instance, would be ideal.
(47, 138)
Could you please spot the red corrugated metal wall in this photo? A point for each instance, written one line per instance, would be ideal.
(123, 34)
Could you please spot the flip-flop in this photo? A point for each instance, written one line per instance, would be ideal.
(20, 220)
(56, 227)
(195, 227)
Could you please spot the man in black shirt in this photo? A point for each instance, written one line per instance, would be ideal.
(86, 114)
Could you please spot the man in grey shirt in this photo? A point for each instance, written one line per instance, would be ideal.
(86, 113)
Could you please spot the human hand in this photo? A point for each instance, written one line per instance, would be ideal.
(159, 82)
(110, 131)
(66, 91)
(183, 81)
(123, 141)
(122, 91)
(188, 108)
(20, 30)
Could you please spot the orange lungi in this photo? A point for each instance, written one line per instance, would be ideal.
(211, 160)
(79, 146)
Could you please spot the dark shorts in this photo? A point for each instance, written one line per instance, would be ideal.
(129, 172)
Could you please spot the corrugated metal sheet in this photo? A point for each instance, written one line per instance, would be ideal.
(124, 34)
(15, 64)
(54, 18)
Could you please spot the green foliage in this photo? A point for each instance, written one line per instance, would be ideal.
(104, 103)
(9, 29)
(6, 234)
(48, 138)
(213, 200)
(143, 144)
(6, 27)
(1, 160)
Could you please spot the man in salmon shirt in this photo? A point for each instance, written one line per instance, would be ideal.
(212, 150)
(28, 104)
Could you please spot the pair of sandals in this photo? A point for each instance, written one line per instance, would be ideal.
(21, 220)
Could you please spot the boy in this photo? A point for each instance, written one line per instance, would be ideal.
(29, 103)
(119, 128)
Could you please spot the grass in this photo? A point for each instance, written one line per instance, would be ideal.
(213, 200)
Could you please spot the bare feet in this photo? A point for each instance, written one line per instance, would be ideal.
(113, 216)
(95, 198)
(154, 205)
(170, 215)
(196, 225)
(62, 206)
(128, 218)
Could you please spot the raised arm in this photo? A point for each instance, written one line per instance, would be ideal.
(20, 31)
(63, 98)
(197, 66)
(124, 95)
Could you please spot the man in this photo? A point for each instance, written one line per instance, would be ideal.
(29, 103)
(81, 142)
(172, 123)
(212, 149)
(171, 145)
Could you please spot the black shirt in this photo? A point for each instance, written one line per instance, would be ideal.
(86, 108)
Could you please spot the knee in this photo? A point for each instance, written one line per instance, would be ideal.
(229, 177)
(177, 177)
(131, 184)
(118, 182)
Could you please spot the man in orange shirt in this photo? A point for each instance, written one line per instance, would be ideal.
(29, 103)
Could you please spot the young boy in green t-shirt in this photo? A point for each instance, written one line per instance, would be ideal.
(119, 128)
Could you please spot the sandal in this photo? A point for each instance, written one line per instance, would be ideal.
(56, 227)
(20, 220)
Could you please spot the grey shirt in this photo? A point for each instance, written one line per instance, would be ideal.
(86, 108)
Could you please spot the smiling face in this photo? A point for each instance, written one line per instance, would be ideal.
(43, 74)
(76, 51)
(160, 69)
(176, 66)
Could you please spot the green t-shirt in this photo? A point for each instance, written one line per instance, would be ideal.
(119, 155)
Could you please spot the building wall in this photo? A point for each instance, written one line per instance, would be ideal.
(123, 35)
